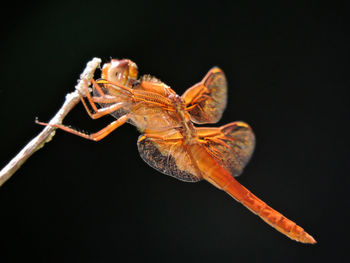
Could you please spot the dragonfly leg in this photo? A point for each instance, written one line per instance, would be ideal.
(90, 99)
(93, 136)
(103, 111)
(102, 99)
(98, 88)
(88, 95)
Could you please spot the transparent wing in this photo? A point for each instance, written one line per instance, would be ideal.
(149, 117)
(169, 157)
(155, 113)
(231, 145)
(146, 101)
(207, 100)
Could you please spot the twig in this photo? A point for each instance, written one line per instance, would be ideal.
(48, 132)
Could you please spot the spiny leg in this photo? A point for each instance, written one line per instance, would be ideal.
(98, 88)
(90, 99)
(94, 136)
(88, 95)
(102, 99)
(103, 111)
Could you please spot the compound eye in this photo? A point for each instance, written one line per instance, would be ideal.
(120, 71)
(116, 71)
(133, 71)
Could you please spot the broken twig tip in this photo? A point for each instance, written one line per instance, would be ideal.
(48, 132)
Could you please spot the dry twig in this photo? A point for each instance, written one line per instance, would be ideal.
(48, 132)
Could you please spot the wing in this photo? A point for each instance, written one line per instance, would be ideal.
(207, 100)
(146, 100)
(156, 111)
(168, 156)
(231, 145)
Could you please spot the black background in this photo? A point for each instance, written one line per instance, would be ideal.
(80, 201)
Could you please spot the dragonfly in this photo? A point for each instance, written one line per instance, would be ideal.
(170, 142)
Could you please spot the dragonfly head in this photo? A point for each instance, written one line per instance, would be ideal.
(120, 71)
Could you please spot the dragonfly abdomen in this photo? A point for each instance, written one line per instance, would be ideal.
(218, 176)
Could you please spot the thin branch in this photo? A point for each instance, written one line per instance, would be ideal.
(48, 132)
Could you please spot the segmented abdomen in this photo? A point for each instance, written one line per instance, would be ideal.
(218, 176)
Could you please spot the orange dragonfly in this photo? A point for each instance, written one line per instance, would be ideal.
(170, 143)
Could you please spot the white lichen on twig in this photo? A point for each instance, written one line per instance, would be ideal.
(48, 132)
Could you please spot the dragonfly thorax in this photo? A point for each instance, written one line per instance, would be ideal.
(187, 129)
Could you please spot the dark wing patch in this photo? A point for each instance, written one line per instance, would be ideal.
(168, 158)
